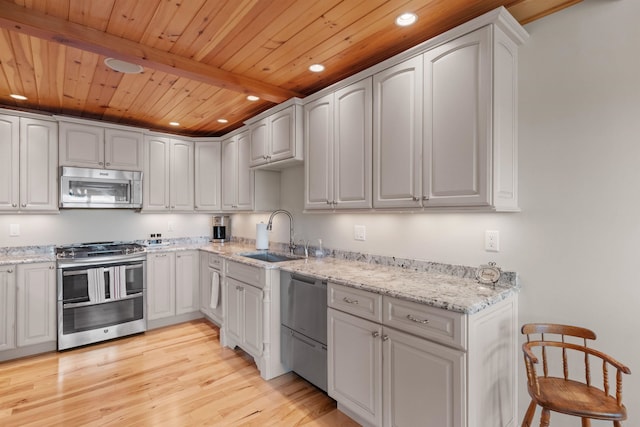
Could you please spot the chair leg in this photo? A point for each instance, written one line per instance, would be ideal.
(528, 416)
(544, 418)
(586, 422)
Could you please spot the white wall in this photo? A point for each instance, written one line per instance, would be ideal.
(576, 243)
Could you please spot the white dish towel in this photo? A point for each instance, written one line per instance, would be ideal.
(215, 289)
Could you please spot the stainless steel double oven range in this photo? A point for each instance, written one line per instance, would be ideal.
(101, 292)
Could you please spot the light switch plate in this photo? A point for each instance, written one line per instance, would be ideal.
(360, 232)
(14, 230)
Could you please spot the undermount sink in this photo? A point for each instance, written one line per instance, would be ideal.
(269, 256)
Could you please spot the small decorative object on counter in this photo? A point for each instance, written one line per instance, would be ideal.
(488, 274)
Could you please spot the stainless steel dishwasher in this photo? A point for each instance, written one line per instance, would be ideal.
(304, 327)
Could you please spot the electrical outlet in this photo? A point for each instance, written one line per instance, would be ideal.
(492, 241)
(170, 226)
(360, 232)
(14, 230)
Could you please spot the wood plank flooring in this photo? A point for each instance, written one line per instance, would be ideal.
(175, 376)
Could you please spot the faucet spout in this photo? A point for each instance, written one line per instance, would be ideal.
(292, 245)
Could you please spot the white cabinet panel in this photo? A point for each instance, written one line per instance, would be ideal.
(245, 174)
(354, 354)
(397, 135)
(9, 163)
(7, 307)
(161, 285)
(457, 122)
(423, 382)
(276, 140)
(253, 320)
(182, 176)
(208, 176)
(38, 165)
(187, 282)
(123, 149)
(319, 153)
(81, 145)
(36, 303)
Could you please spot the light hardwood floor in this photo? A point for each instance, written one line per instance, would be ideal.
(175, 376)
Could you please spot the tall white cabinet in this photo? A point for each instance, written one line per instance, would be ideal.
(168, 183)
(338, 131)
(29, 164)
(237, 178)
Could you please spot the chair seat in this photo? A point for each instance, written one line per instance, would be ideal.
(578, 399)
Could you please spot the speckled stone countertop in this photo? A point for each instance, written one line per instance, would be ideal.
(450, 287)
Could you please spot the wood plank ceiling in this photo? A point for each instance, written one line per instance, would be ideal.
(202, 58)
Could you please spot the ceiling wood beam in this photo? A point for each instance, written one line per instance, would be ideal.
(33, 23)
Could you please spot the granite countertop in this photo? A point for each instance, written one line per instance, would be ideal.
(438, 285)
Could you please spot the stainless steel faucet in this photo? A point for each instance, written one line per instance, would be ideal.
(292, 245)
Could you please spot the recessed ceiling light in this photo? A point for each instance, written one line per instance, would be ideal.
(253, 98)
(223, 121)
(123, 66)
(406, 19)
(316, 68)
(174, 123)
(18, 97)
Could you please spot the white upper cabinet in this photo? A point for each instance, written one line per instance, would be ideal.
(208, 176)
(445, 131)
(84, 145)
(168, 174)
(338, 150)
(29, 160)
(397, 135)
(237, 178)
(276, 140)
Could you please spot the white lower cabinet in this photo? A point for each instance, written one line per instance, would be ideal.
(252, 315)
(398, 363)
(36, 303)
(7, 307)
(172, 286)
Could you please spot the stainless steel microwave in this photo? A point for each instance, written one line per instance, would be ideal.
(100, 188)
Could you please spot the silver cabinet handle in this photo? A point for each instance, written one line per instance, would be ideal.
(24, 205)
(15, 205)
(10, 270)
(375, 334)
(416, 199)
(350, 301)
(51, 267)
(328, 202)
(385, 337)
(108, 164)
(425, 198)
(413, 319)
(100, 163)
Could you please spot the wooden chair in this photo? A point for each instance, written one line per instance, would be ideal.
(564, 394)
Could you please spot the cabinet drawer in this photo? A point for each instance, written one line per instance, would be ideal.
(446, 327)
(246, 273)
(214, 261)
(367, 305)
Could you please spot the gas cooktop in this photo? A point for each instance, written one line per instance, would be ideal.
(97, 249)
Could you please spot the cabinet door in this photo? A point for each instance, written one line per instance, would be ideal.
(354, 354)
(38, 165)
(205, 284)
(259, 134)
(353, 146)
(457, 115)
(9, 162)
(424, 382)
(155, 193)
(229, 174)
(252, 320)
(7, 307)
(208, 176)
(36, 303)
(234, 309)
(181, 169)
(161, 285)
(282, 135)
(187, 284)
(397, 136)
(81, 145)
(318, 165)
(245, 174)
(123, 150)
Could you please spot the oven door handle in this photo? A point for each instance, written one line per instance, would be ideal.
(84, 304)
